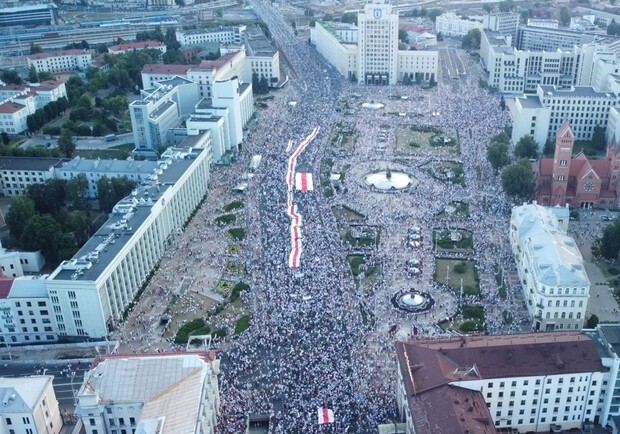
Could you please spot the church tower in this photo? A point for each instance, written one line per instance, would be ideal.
(564, 142)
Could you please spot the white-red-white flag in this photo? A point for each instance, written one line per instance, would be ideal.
(326, 415)
(303, 181)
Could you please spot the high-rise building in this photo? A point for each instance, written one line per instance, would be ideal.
(377, 43)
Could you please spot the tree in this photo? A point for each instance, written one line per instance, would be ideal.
(502, 103)
(403, 36)
(10, 77)
(33, 76)
(109, 192)
(66, 145)
(506, 6)
(5, 138)
(48, 197)
(471, 41)
(518, 181)
(549, 148)
(85, 102)
(349, 17)
(598, 141)
(77, 191)
(40, 232)
(525, 15)
(35, 49)
(80, 224)
(526, 147)
(613, 28)
(21, 209)
(592, 321)
(433, 14)
(487, 8)
(564, 16)
(174, 57)
(609, 243)
(498, 156)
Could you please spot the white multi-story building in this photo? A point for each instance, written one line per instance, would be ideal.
(543, 22)
(18, 173)
(137, 171)
(204, 75)
(261, 58)
(504, 23)
(160, 108)
(137, 45)
(15, 263)
(90, 292)
(543, 382)
(535, 38)
(517, 71)
(368, 53)
(26, 316)
(223, 35)
(60, 61)
(13, 117)
(157, 393)
(29, 15)
(541, 115)
(550, 266)
(29, 406)
(451, 25)
(44, 92)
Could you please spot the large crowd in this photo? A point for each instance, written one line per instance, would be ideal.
(308, 346)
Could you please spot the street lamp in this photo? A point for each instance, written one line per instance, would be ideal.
(73, 392)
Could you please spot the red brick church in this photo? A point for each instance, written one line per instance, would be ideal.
(577, 181)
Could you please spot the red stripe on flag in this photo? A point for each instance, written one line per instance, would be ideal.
(325, 415)
(304, 182)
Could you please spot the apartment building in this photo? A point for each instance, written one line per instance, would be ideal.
(29, 406)
(541, 115)
(547, 23)
(159, 109)
(15, 263)
(368, 53)
(29, 15)
(162, 393)
(137, 45)
(261, 58)
(60, 61)
(222, 35)
(539, 382)
(90, 292)
(555, 284)
(451, 25)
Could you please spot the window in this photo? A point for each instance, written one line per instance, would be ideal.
(8, 421)
(91, 421)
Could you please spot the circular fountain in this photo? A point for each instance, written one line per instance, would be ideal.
(412, 301)
(387, 180)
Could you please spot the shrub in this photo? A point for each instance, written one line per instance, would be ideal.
(460, 268)
(226, 219)
(242, 324)
(236, 233)
(196, 326)
(233, 206)
(614, 271)
(470, 326)
(237, 289)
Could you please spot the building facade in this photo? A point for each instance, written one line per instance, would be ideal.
(543, 382)
(368, 53)
(18, 173)
(536, 38)
(504, 23)
(137, 45)
(29, 406)
(555, 284)
(577, 181)
(179, 393)
(451, 25)
(222, 35)
(60, 61)
(261, 58)
(29, 15)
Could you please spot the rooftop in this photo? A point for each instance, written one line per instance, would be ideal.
(160, 68)
(38, 164)
(128, 215)
(11, 107)
(555, 255)
(48, 54)
(21, 394)
(108, 166)
(257, 42)
(574, 91)
(138, 45)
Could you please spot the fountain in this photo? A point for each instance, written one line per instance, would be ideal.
(412, 301)
(387, 180)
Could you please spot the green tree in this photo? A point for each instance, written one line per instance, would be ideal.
(564, 16)
(525, 15)
(403, 36)
(592, 321)
(433, 14)
(39, 233)
(85, 102)
(598, 141)
(110, 191)
(487, 8)
(174, 57)
(526, 147)
(66, 145)
(518, 181)
(5, 138)
(502, 103)
(549, 148)
(80, 225)
(10, 77)
(471, 41)
(35, 49)
(33, 76)
(609, 243)
(506, 6)
(48, 197)
(498, 156)
(77, 191)
(349, 17)
(21, 209)
(613, 28)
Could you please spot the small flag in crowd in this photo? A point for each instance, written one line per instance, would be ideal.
(303, 181)
(326, 415)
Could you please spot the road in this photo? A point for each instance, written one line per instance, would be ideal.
(85, 143)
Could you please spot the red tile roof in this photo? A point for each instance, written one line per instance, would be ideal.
(11, 107)
(157, 68)
(5, 286)
(218, 63)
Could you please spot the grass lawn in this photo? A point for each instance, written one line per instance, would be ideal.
(343, 212)
(441, 238)
(461, 210)
(234, 249)
(371, 240)
(449, 171)
(242, 324)
(234, 268)
(326, 170)
(233, 206)
(236, 233)
(120, 152)
(412, 142)
(459, 269)
(225, 219)
(224, 287)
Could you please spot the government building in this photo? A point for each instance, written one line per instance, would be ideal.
(368, 52)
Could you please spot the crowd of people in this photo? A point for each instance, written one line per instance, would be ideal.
(308, 346)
